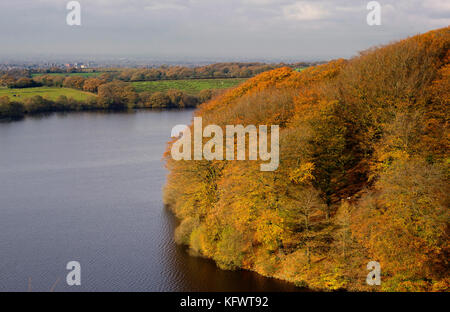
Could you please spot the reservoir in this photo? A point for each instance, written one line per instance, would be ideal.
(87, 187)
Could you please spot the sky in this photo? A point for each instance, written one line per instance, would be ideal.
(221, 29)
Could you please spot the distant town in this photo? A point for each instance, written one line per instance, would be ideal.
(72, 63)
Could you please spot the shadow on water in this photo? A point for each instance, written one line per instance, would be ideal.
(203, 274)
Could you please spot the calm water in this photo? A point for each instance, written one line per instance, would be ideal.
(87, 187)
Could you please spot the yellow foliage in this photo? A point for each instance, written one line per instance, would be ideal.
(304, 174)
(363, 173)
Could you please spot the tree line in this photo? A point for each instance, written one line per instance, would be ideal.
(165, 72)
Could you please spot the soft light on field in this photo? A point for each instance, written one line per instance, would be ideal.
(190, 86)
(51, 93)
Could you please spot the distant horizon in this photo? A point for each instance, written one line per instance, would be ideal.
(61, 59)
(142, 60)
(218, 30)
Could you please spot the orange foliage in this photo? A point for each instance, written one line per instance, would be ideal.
(363, 173)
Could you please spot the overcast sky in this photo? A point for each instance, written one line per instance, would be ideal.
(247, 29)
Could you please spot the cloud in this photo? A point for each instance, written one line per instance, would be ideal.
(164, 6)
(439, 5)
(304, 11)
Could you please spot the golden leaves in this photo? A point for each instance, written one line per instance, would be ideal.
(364, 145)
(303, 175)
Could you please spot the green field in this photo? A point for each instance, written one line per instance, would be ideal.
(190, 86)
(70, 74)
(300, 69)
(51, 93)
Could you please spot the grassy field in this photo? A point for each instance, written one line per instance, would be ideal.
(70, 74)
(51, 93)
(190, 86)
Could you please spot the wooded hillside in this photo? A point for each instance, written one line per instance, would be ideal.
(363, 175)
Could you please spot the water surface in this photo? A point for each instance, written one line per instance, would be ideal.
(87, 187)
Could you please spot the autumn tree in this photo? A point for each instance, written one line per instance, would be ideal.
(92, 84)
(75, 82)
(116, 95)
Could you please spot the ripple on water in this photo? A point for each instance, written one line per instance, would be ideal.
(87, 187)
